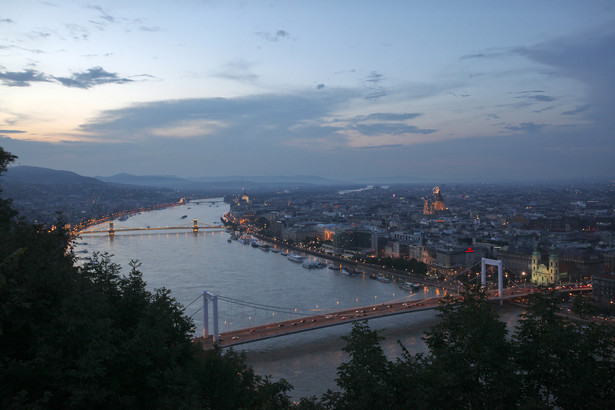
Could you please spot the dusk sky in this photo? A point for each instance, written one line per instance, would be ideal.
(424, 90)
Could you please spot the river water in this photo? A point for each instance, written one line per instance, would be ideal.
(188, 263)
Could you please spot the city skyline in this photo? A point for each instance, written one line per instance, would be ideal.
(436, 91)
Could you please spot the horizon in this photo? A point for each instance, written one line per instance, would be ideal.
(329, 182)
(426, 91)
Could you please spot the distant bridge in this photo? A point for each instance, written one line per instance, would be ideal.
(195, 227)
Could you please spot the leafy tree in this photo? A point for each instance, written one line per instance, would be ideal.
(363, 379)
(92, 337)
(470, 355)
(561, 363)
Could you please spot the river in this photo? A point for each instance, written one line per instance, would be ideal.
(188, 263)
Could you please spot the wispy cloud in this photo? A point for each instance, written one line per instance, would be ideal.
(86, 79)
(11, 132)
(387, 124)
(22, 78)
(527, 127)
(91, 77)
(237, 70)
(577, 110)
(273, 37)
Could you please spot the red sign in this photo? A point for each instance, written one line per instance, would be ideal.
(470, 250)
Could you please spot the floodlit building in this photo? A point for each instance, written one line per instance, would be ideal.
(543, 275)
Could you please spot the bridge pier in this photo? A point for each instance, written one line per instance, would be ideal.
(483, 274)
(111, 230)
(195, 225)
(214, 298)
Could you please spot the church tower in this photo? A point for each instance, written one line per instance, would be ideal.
(554, 264)
(535, 259)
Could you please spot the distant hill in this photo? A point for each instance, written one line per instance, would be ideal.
(219, 183)
(38, 175)
(293, 179)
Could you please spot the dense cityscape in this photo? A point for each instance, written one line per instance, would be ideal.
(450, 228)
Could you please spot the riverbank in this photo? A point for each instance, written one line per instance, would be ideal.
(365, 267)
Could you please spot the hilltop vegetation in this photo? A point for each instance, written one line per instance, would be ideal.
(93, 337)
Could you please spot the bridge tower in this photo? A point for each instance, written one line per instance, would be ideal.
(214, 298)
(111, 230)
(195, 225)
(483, 274)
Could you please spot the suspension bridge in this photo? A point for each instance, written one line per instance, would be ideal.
(303, 320)
(194, 227)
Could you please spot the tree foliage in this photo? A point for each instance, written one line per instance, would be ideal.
(473, 363)
(93, 337)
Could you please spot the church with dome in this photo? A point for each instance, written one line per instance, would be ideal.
(543, 275)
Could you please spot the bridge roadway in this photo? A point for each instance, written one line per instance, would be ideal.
(161, 228)
(339, 317)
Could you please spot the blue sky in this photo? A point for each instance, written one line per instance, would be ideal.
(425, 90)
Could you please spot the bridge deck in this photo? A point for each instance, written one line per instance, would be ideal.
(161, 228)
(241, 336)
(237, 337)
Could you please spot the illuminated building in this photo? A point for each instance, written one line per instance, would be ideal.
(543, 275)
(437, 204)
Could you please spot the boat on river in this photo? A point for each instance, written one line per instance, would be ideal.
(410, 286)
(310, 265)
(383, 279)
(293, 257)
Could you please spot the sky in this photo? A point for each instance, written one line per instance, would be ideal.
(472, 91)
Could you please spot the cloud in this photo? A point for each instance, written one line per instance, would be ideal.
(374, 78)
(77, 32)
(274, 37)
(108, 18)
(389, 116)
(238, 71)
(538, 98)
(528, 127)
(87, 79)
(387, 124)
(375, 95)
(391, 129)
(320, 86)
(12, 132)
(23, 78)
(485, 54)
(255, 118)
(577, 110)
(6, 21)
(588, 58)
(91, 77)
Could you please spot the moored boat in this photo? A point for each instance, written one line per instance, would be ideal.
(295, 258)
(310, 264)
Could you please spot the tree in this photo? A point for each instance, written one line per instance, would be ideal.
(92, 337)
(561, 363)
(363, 379)
(470, 362)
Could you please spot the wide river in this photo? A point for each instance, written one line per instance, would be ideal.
(188, 263)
